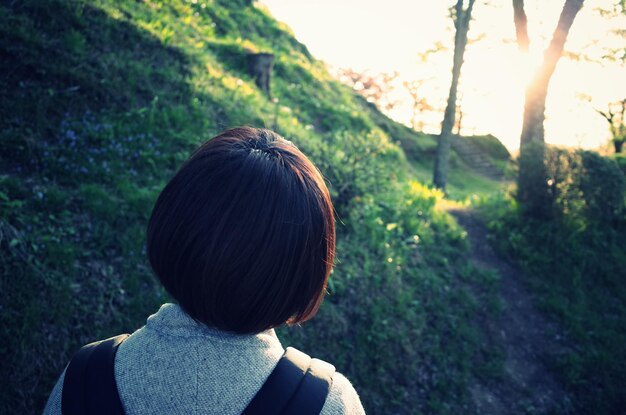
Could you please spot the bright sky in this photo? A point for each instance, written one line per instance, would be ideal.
(387, 36)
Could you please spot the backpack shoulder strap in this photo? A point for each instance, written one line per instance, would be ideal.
(297, 385)
(89, 384)
(313, 389)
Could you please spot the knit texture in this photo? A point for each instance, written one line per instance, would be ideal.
(175, 365)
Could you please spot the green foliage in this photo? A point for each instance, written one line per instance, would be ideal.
(575, 262)
(603, 186)
(620, 159)
(491, 146)
(102, 101)
(357, 164)
(585, 185)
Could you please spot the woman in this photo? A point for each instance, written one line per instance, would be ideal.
(243, 239)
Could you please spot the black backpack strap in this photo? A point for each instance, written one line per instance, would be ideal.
(89, 384)
(297, 385)
(313, 389)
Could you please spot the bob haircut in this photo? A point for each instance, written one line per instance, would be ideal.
(243, 236)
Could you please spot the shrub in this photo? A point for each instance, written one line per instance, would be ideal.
(585, 185)
(603, 186)
(356, 164)
(620, 159)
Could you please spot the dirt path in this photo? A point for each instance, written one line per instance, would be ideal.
(526, 337)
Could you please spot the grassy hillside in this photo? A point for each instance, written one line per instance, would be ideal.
(101, 101)
(420, 149)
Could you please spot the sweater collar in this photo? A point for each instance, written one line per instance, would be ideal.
(171, 319)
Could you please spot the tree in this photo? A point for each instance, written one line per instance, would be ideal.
(419, 102)
(461, 16)
(374, 88)
(616, 117)
(532, 188)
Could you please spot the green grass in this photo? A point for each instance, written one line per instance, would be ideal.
(101, 101)
(463, 182)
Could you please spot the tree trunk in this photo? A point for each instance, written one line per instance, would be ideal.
(260, 67)
(521, 25)
(617, 144)
(532, 188)
(461, 24)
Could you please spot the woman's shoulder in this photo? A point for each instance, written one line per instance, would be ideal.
(342, 398)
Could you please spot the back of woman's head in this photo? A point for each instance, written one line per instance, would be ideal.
(243, 236)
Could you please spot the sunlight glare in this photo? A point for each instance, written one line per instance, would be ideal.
(525, 66)
(371, 36)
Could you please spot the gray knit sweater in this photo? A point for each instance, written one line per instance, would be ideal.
(174, 365)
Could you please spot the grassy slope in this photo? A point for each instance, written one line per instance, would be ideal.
(420, 148)
(101, 101)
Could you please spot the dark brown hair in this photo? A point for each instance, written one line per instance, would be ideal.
(243, 236)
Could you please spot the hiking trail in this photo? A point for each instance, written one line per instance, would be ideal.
(527, 338)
